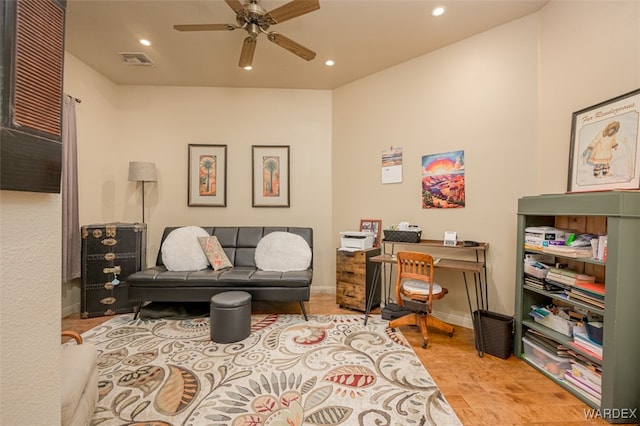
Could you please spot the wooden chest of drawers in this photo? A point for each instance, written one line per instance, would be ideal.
(354, 278)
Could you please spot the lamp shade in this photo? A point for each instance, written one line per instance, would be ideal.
(142, 171)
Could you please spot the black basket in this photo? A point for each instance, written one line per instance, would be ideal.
(497, 330)
(402, 236)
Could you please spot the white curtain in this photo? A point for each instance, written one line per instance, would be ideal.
(71, 242)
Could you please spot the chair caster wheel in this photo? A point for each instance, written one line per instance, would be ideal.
(450, 334)
(424, 346)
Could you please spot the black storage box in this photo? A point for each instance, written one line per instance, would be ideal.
(402, 236)
(496, 331)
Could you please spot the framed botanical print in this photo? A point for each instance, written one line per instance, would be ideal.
(270, 175)
(207, 176)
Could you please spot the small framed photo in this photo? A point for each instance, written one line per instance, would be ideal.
(604, 145)
(270, 175)
(372, 225)
(207, 180)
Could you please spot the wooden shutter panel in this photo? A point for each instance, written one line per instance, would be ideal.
(38, 66)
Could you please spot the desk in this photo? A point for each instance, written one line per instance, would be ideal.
(477, 268)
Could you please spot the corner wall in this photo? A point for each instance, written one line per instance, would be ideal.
(478, 95)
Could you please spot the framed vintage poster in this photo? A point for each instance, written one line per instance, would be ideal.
(270, 175)
(207, 176)
(372, 225)
(604, 145)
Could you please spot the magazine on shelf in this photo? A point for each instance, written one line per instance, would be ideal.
(585, 394)
(583, 386)
(587, 373)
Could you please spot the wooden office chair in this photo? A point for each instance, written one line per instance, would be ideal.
(416, 291)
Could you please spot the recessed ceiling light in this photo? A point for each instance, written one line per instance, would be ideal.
(248, 68)
(437, 11)
(145, 42)
(329, 63)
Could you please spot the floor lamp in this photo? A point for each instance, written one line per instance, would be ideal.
(140, 171)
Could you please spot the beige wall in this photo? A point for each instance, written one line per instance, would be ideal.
(589, 52)
(505, 97)
(30, 270)
(479, 96)
(118, 124)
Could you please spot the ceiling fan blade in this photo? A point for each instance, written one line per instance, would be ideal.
(246, 56)
(292, 46)
(204, 27)
(291, 10)
(236, 6)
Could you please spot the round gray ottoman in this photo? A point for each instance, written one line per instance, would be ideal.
(230, 316)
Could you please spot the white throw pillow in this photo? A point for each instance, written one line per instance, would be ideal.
(181, 250)
(283, 251)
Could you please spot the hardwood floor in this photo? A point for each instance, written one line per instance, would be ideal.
(482, 391)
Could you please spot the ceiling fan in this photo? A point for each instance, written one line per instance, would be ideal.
(254, 19)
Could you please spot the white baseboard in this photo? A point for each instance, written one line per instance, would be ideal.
(72, 309)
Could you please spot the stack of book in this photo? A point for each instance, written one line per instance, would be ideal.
(549, 344)
(589, 293)
(582, 341)
(569, 251)
(567, 277)
(586, 379)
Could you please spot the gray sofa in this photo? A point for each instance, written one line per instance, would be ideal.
(157, 284)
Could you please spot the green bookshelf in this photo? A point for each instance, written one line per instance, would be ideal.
(616, 213)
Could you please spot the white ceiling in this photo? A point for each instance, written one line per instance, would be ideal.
(361, 36)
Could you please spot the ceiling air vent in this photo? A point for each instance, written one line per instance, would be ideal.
(139, 59)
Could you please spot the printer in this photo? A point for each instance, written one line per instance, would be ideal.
(357, 240)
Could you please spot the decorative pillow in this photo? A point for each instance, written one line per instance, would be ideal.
(181, 250)
(283, 251)
(215, 253)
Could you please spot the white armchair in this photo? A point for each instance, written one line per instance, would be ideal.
(79, 381)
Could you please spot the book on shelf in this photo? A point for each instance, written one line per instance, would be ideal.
(594, 400)
(585, 298)
(569, 251)
(582, 340)
(587, 373)
(593, 289)
(583, 386)
(568, 276)
(602, 248)
(547, 343)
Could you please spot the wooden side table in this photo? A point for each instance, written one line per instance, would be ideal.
(355, 279)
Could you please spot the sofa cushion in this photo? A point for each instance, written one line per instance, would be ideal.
(181, 250)
(282, 251)
(215, 253)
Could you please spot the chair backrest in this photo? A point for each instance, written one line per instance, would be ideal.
(414, 266)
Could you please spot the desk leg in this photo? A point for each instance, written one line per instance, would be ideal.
(477, 334)
(372, 292)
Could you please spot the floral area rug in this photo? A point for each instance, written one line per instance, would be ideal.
(330, 370)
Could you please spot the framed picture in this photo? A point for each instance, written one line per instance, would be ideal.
(372, 225)
(207, 180)
(604, 145)
(270, 175)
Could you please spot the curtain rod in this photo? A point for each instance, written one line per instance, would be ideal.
(78, 100)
